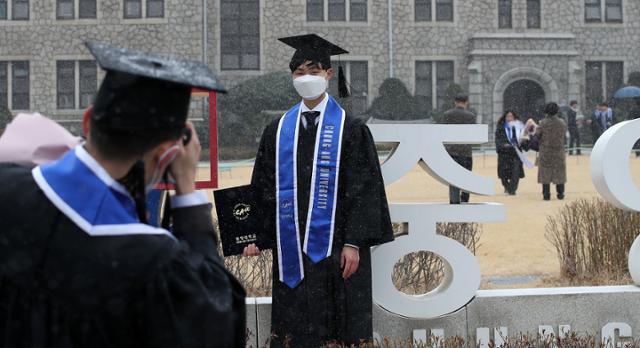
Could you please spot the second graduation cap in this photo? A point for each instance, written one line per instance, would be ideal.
(311, 47)
(145, 91)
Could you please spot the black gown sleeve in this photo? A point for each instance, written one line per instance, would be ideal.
(263, 183)
(196, 300)
(365, 211)
(502, 143)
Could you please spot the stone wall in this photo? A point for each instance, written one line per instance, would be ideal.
(43, 39)
(594, 311)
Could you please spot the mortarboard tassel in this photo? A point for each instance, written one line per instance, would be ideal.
(343, 91)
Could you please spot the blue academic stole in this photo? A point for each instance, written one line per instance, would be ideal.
(509, 130)
(83, 191)
(320, 226)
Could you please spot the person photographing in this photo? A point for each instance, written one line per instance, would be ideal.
(79, 265)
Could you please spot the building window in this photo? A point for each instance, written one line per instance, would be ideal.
(132, 8)
(66, 85)
(444, 10)
(504, 14)
(337, 10)
(14, 10)
(88, 81)
(14, 85)
(20, 85)
(432, 80)
(613, 11)
(357, 75)
(155, 8)
(433, 10)
(4, 10)
(315, 10)
(66, 9)
(77, 83)
(598, 11)
(87, 9)
(422, 9)
(143, 8)
(358, 10)
(240, 35)
(534, 13)
(603, 79)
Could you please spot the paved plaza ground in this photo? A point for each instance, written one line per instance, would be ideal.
(513, 253)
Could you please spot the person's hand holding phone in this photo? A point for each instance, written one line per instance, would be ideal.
(184, 167)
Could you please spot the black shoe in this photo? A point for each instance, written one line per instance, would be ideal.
(560, 197)
(546, 198)
(512, 193)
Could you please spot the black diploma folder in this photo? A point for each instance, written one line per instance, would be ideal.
(239, 219)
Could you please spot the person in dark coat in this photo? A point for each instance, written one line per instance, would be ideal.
(572, 124)
(79, 265)
(462, 154)
(326, 297)
(551, 161)
(510, 168)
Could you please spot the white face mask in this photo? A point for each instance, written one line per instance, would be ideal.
(310, 86)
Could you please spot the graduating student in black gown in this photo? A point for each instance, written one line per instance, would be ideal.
(510, 168)
(79, 267)
(333, 303)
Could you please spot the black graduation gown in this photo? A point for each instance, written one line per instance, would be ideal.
(324, 307)
(61, 287)
(507, 156)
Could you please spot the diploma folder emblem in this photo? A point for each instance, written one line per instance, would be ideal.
(239, 219)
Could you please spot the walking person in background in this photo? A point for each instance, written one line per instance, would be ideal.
(462, 154)
(552, 166)
(510, 169)
(601, 120)
(574, 132)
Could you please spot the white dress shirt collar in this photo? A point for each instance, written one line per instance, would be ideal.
(320, 108)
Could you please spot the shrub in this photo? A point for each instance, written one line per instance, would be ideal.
(634, 79)
(416, 273)
(521, 340)
(394, 102)
(421, 272)
(592, 239)
(250, 106)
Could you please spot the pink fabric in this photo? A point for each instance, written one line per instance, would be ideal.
(32, 139)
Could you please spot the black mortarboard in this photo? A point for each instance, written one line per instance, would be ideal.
(145, 91)
(316, 49)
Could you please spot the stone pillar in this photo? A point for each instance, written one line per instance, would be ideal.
(575, 74)
(476, 89)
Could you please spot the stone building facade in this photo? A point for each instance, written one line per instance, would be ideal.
(54, 50)
(505, 53)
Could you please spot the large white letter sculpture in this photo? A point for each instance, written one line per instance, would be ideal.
(424, 144)
(611, 176)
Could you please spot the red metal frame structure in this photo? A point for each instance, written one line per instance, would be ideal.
(212, 183)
